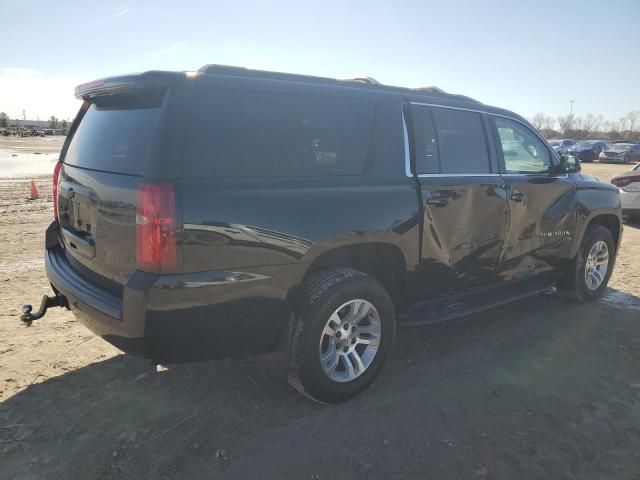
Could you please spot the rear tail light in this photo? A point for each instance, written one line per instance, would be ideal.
(56, 178)
(624, 181)
(156, 228)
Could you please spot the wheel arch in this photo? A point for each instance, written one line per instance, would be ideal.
(611, 221)
(384, 262)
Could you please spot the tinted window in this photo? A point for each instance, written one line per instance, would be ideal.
(116, 133)
(461, 141)
(523, 151)
(239, 133)
(425, 142)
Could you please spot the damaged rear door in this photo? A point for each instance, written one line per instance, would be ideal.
(465, 206)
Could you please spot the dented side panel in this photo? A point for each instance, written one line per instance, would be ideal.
(541, 227)
(465, 221)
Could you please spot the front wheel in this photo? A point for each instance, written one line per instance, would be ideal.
(342, 334)
(589, 273)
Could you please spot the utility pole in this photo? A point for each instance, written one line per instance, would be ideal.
(570, 122)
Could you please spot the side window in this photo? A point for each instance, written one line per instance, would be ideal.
(244, 133)
(449, 141)
(427, 158)
(463, 147)
(522, 150)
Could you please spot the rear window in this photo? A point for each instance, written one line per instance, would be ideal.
(449, 141)
(116, 133)
(240, 133)
(462, 141)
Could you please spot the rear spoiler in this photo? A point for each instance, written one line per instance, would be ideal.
(110, 85)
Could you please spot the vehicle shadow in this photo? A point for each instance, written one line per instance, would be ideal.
(632, 222)
(540, 388)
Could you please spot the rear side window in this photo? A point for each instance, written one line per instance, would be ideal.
(462, 142)
(240, 133)
(449, 141)
(116, 133)
(426, 144)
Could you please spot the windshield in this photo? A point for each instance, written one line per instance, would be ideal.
(585, 144)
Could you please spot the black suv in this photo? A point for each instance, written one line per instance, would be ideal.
(229, 212)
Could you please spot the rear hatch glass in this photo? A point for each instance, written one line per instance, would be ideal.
(116, 133)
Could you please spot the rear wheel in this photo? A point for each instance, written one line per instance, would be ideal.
(589, 273)
(342, 334)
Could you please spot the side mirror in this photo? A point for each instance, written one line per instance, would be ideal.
(567, 164)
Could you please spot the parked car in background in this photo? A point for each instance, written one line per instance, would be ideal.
(621, 153)
(561, 146)
(629, 185)
(587, 150)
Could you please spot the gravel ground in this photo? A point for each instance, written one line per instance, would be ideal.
(536, 389)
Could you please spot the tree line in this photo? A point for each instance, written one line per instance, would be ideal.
(589, 126)
(54, 122)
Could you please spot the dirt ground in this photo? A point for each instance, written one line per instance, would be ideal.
(536, 389)
(33, 144)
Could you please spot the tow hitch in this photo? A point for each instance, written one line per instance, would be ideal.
(57, 300)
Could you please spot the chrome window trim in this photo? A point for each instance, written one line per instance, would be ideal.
(407, 160)
(421, 175)
(407, 156)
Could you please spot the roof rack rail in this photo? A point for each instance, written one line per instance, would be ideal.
(369, 80)
(431, 88)
(439, 91)
(213, 68)
(242, 71)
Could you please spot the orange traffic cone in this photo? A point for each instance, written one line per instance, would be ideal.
(34, 191)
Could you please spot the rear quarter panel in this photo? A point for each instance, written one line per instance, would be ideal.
(240, 224)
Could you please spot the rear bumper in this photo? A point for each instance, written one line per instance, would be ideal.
(184, 317)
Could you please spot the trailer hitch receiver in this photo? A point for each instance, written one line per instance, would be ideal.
(57, 300)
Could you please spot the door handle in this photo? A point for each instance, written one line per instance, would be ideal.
(518, 196)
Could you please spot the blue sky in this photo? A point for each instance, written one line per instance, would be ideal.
(524, 56)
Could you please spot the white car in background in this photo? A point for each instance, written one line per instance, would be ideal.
(561, 146)
(629, 186)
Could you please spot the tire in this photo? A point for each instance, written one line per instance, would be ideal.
(340, 292)
(576, 286)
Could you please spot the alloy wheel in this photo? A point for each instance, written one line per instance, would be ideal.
(596, 265)
(350, 340)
